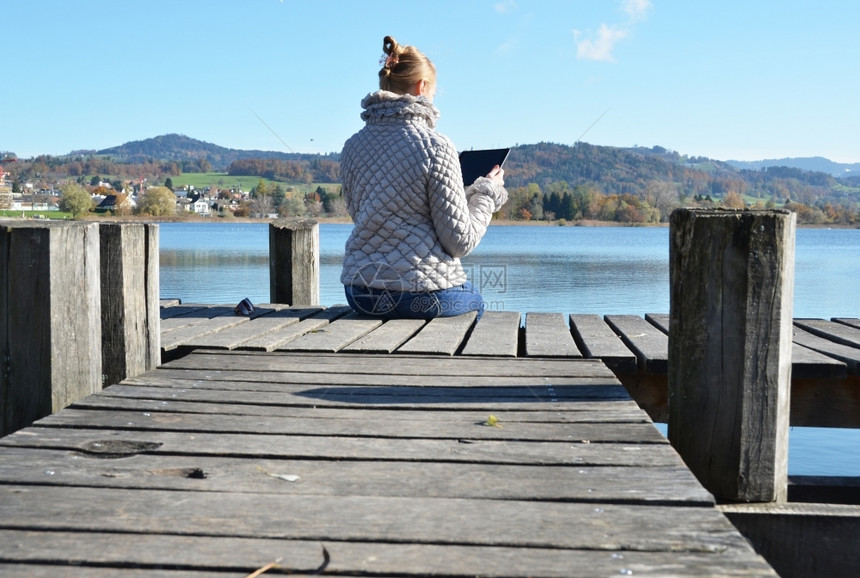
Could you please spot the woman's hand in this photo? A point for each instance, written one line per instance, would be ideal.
(497, 175)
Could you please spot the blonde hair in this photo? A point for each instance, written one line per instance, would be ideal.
(404, 67)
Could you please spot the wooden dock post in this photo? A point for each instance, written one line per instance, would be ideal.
(50, 318)
(131, 334)
(294, 262)
(732, 278)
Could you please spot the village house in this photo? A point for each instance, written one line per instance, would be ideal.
(200, 204)
(116, 203)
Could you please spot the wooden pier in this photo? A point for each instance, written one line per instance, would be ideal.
(307, 437)
(225, 461)
(825, 353)
(312, 440)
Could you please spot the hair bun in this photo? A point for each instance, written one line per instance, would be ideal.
(391, 55)
(402, 67)
(389, 45)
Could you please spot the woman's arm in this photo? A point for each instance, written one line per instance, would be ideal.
(461, 215)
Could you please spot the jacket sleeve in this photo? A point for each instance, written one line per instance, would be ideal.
(460, 215)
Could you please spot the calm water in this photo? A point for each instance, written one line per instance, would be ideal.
(602, 270)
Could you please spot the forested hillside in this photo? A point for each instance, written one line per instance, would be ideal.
(182, 149)
(552, 181)
(546, 181)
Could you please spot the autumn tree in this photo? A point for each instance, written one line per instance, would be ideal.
(261, 190)
(261, 205)
(733, 200)
(663, 197)
(158, 202)
(292, 206)
(75, 200)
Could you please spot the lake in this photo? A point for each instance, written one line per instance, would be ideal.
(602, 270)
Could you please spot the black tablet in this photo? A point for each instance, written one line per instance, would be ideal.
(476, 164)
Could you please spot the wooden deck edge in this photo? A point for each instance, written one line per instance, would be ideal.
(824, 489)
(801, 539)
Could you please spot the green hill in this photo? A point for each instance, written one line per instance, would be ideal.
(180, 148)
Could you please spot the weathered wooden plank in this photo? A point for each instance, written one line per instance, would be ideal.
(169, 311)
(850, 321)
(838, 360)
(831, 330)
(826, 402)
(184, 335)
(650, 345)
(802, 539)
(495, 334)
(368, 518)
(164, 303)
(659, 320)
(147, 400)
(52, 570)
(642, 485)
(489, 399)
(363, 423)
(440, 336)
(113, 443)
(144, 556)
(248, 379)
(266, 319)
(397, 365)
(199, 310)
(336, 335)
(597, 341)
(193, 316)
(824, 490)
(274, 339)
(805, 363)
(386, 338)
(547, 335)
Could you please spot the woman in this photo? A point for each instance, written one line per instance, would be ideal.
(404, 191)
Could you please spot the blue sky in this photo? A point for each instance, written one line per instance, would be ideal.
(735, 79)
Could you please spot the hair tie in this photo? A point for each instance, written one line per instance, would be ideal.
(388, 60)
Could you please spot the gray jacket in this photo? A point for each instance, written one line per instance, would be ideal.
(404, 191)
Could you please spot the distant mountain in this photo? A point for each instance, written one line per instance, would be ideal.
(179, 148)
(815, 164)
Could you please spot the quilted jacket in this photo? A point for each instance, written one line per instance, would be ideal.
(404, 191)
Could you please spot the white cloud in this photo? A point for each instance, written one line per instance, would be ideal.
(599, 45)
(507, 6)
(636, 9)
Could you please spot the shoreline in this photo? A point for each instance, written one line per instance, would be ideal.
(348, 221)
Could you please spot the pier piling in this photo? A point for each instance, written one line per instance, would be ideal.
(730, 336)
(294, 262)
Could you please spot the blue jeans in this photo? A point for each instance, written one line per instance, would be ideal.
(414, 304)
